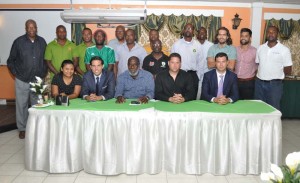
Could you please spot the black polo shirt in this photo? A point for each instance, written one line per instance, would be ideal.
(155, 66)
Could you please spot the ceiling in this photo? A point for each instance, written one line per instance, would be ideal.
(297, 2)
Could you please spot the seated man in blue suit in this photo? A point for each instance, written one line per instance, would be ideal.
(98, 84)
(220, 85)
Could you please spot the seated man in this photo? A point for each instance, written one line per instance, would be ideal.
(98, 84)
(134, 83)
(220, 85)
(174, 85)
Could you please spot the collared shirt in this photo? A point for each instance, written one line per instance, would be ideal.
(204, 47)
(96, 78)
(228, 49)
(26, 59)
(106, 53)
(123, 54)
(142, 85)
(155, 66)
(190, 53)
(114, 43)
(57, 53)
(80, 52)
(245, 66)
(166, 86)
(149, 50)
(272, 61)
(219, 78)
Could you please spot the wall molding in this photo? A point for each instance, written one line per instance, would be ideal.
(278, 16)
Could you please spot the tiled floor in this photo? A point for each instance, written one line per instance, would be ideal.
(12, 165)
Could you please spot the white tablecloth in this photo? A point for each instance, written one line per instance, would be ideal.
(147, 141)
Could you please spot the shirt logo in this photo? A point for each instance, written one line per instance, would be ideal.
(151, 63)
(194, 50)
(163, 64)
(92, 53)
(69, 49)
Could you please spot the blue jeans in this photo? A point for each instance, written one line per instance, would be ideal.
(269, 92)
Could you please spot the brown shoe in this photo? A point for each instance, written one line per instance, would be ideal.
(22, 134)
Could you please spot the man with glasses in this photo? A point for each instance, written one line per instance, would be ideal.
(156, 61)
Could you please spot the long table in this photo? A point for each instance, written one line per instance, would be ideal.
(195, 137)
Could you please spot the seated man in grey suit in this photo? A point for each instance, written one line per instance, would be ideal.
(220, 85)
(98, 84)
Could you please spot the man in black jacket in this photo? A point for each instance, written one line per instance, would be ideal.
(174, 85)
(26, 60)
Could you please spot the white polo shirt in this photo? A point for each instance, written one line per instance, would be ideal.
(272, 61)
(190, 53)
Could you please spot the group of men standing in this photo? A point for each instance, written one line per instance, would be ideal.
(196, 68)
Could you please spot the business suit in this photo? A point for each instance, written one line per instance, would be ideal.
(210, 86)
(106, 86)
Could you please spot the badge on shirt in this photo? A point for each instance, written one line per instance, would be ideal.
(69, 48)
(163, 64)
(194, 50)
(151, 63)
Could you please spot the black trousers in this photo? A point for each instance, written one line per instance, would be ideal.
(195, 81)
(246, 89)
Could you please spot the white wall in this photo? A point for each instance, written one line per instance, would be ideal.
(12, 25)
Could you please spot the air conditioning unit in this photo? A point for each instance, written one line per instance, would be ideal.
(105, 16)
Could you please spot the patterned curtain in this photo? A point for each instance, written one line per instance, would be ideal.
(170, 27)
(286, 27)
(76, 29)
(289, 35)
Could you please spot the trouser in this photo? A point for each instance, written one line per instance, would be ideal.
(23, 96)
(195, 81)
(269, 91)
(246, 89)
(199, 88)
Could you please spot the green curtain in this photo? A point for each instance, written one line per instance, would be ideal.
(154, 22)
(76, 35)
(286, 28)
(177, 23)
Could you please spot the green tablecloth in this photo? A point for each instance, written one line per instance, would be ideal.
(290, 102)
(242, 106)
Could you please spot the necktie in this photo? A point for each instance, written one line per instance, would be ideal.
(97, 85)
(220, 86)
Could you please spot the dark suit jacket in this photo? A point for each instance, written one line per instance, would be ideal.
(210, 86)
(106, 86)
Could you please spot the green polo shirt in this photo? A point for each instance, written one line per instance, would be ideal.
(80, 52)
(57, 53)
(106, 53)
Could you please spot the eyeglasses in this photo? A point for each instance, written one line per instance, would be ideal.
(188, 28)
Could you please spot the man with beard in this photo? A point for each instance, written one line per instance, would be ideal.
(106, 53)
(245, 66)
(59, 50)
(80, 50)
(153, 36)
(204, 46)
(120, 37)
(125, 51)
(134, 83)
(26, 60)
(190, 52)
(223, 43)
(157, 61)
(274, 61)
